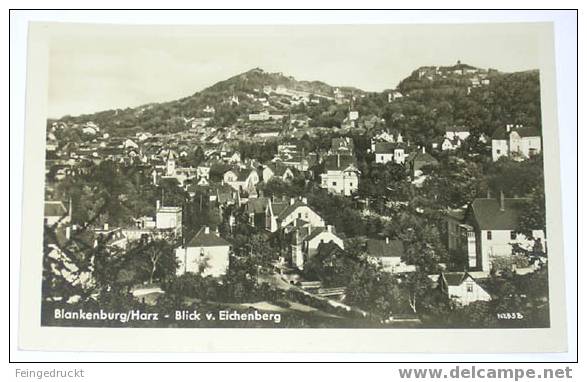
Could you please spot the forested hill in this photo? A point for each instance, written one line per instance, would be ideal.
(431, 99)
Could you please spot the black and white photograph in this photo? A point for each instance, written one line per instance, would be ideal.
(356, 176)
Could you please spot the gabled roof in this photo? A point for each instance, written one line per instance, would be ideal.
(339, 162)
(456, 278)
(329, 249)
(381, 248)
(488, 215)
(257, 205)
(210, 239)
(290, 209)
(386, 147)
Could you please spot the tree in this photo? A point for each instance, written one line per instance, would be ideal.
(160, 260)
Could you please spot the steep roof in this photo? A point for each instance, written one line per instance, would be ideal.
(210, 239)
(339, 162)
(329, 249)
(455, 278)
(385, 147)
(257, 205)
(488, 215)
(381, 248)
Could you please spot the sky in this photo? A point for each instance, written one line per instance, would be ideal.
(101, 67)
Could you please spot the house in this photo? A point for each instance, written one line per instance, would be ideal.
(341, 174)
(462, 287)
(277, 170)
(515, 141)
(462, 132)
(296, 212)
(388, 253)
(487, 231)
(307, 240)
(56, 214)
(450, 143)
(387, 152)
(168, 218)
(207, 253)
(242, 179)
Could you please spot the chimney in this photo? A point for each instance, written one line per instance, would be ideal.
(337, 160)
(206, 230)
(305, 200)
(387, 240)
(501, 201)
(423, 149)
(216, 231)
(329, 228)
(67, 232)
(292, 201)
(158, 204)
(508, 128)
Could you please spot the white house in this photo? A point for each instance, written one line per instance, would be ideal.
(462, 288)
(388, 253)
(341, 176)
(515, 141)
(488, 232)
(307, 240)
(277, 170)
(242, 179)
(169, 218)
(206, 253)
(387, 152)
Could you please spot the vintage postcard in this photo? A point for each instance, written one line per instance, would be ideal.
(372, 188)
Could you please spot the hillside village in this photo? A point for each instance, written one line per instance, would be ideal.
(422, 205)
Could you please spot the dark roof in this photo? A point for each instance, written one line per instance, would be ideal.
(455, 278)
(257, 205)
(55, 208)
(488, 215)
(385, 147)
(381, 248)
(339, 162)
(203, 239)
(289, 209)
(329, 249)
(423, 158)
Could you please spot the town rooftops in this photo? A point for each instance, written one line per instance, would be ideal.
(385, 248)
(490, 215)
(206, 238)
(342, 143)
(55, 208)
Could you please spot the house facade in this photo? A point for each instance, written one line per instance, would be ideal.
(462, 288)
(341, 175)
(388, 253)
(206, 254)
(515, 141)
(487, 232)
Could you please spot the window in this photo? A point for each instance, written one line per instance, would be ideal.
(334, 183)
(299, 215)
(498, 151)
(489, 235)
(513, 235)
(351, 184)
(469, 288)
